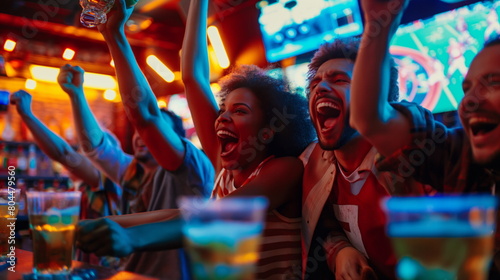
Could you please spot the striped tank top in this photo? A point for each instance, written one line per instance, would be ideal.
(280, 250)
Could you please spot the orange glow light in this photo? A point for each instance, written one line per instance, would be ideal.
(162, 104)
(218, 45)
(9, 45)
(160, 68)
(68, 54)
(111, 95)
(30, 84)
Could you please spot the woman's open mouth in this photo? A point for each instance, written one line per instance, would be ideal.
(228, 141)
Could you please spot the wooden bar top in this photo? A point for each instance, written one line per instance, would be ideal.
(24, 265)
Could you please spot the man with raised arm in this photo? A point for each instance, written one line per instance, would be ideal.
(100, 196)
(414, 144)
(165, 165)
(134, 173)
(343, 221)
(95, 186)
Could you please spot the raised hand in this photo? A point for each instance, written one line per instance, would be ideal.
(70, 79)
(22, 100)
(117, 18)
(384, 13)
(104, 237)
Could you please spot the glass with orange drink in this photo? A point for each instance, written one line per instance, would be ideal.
(53, 218)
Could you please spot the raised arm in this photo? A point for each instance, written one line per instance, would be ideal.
(52, 145)
(196, 78)
(371, 114)
(88, 131)
(138, 99)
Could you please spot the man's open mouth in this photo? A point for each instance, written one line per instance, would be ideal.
(228, 141)
(328, 113)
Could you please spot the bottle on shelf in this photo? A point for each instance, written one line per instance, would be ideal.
(22, 199)
(32, 161)
(12, 160)
(22, 161)
(8, 131)
(3, 157)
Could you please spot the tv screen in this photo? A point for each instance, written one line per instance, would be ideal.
(433, 54)
(293, 27)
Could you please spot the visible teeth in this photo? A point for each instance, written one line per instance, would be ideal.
(327, 104)
(475, 120)
(226, 133)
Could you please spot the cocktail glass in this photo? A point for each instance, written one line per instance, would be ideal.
(442, 237)
(222, 237)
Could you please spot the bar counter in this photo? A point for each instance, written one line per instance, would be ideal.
(24, 265)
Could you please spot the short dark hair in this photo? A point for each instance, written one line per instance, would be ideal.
(176, 122)
(347, 48)
(275, 99)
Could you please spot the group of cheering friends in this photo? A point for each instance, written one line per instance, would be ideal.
(324, 167)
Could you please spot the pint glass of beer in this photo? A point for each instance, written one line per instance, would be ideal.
(53, 217)
(222, 237)
(442, 237)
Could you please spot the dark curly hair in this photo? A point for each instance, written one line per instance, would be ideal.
(347, 48)
(287, 112)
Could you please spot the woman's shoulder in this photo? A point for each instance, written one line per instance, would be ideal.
(287, 162)
(287, 159)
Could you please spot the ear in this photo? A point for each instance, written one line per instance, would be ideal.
(267, 135)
